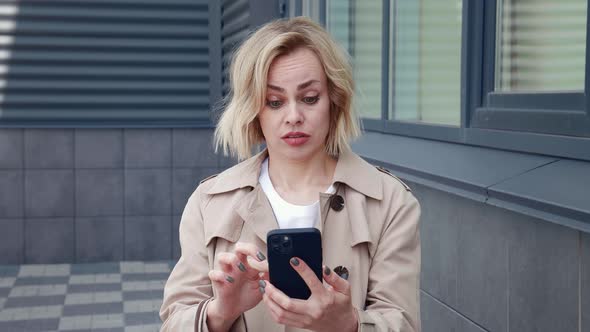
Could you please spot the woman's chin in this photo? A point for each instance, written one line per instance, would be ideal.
(300, 153)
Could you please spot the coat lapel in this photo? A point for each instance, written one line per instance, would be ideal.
(257, 212)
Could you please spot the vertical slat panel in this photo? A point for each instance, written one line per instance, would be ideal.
(235, 24)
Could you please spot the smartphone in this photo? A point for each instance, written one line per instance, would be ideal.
(286, 243)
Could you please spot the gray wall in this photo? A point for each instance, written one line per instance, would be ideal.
(488, 269)
(85, 195)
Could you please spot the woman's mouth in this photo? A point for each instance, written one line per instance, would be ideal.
(295, 138)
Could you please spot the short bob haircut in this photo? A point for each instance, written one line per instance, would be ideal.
(238, 130)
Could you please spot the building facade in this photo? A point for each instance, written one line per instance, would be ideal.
(108, 111)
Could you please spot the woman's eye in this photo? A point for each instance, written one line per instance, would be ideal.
(274, 103)
(310, 100)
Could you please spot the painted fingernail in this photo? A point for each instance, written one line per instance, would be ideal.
(295, 261)
(327, 271)
(262, 283)
(261, 289)
(229, 279)
(242, 267)
(260, 256)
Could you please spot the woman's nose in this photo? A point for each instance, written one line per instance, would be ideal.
(294, 114)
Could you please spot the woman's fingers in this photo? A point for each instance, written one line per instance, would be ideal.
(251, 255)
(228, 262)
(312, 281)
(220, 279)
(278, 307)
(286, 303)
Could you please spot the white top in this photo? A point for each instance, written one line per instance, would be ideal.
(289, 215)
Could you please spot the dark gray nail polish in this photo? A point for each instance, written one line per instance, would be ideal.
(261, 289)
(295, 261)
(327, 271)
(262, 283)
(260, 256)
(229, 279)
(242, 267)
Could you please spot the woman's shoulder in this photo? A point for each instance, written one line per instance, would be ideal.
(390, 179)
(240, 175)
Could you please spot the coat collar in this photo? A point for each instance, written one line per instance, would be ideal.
(351, 170)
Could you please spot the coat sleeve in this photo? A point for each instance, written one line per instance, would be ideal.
(188, 289)
(393, 295)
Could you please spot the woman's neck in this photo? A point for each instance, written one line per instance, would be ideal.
(288, 175)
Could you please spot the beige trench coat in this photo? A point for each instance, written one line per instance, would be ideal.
(375, 236)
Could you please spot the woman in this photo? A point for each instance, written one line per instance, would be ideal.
(292, 90)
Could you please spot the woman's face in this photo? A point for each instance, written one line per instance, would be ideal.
(296, 116)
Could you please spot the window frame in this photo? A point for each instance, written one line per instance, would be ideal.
(495, 119)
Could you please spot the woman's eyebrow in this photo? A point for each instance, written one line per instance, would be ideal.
(299, 87)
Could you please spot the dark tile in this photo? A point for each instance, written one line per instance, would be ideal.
(185, 181)
(148, 192)
(483, 230)
(34, 301)
(439, 223)
(11, 148)
(92, 309)
(194, 148)
(148, 148)
(9, 270)
(96, 268)
(112, 329)
(11, 193)
(33, 325)
(585, 238)
(11, 241)
(148, 238)
(141, 295)
(91, 288)
(142, 318)
(175, 237)
(49, 193)
(49, 148)
(49, 240)
(145, 276)
(25, 281)
(436, 316)
(4, 291)
(99, 193)
(543, 276)
(99, 148)
(98, 239)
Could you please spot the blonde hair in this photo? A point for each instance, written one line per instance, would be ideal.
(238, 129)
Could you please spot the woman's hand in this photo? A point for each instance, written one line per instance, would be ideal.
(236, 285)
(329, 308)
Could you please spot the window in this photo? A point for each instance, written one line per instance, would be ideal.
(357, 25)
(508, 74)
(534, 68)
(426, 52)
(540, 45)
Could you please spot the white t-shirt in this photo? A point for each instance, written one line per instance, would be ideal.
(289, 215)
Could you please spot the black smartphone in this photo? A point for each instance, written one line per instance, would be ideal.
(286, 243)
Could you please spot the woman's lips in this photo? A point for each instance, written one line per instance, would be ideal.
(295, 138)
(296, 141)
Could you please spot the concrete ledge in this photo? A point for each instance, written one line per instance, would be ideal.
(545, 187)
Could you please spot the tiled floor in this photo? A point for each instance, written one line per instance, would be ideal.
(123, 296)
